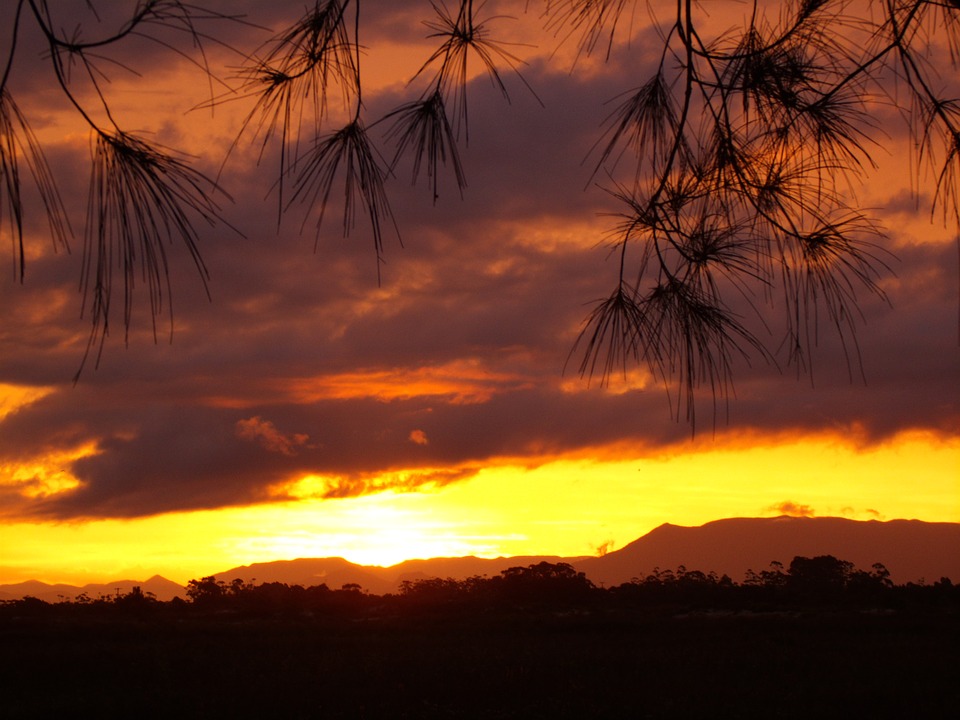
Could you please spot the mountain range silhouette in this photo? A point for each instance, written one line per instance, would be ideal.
(912, 550)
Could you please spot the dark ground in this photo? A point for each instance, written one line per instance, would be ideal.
(817, 664)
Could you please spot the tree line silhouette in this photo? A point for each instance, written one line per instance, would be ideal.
(552, 588)
(816, 638)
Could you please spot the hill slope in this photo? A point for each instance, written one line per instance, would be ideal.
(910, 549)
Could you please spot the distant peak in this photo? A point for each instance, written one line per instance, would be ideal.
(665, 526)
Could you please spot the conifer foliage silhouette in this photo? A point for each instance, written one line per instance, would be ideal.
(730, 162)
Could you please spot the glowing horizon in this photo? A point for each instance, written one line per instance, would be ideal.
(550, 509)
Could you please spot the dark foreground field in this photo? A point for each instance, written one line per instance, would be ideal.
(827, 663)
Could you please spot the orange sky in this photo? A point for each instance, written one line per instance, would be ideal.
(308, 411)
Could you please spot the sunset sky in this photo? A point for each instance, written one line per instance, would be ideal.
(306, 411)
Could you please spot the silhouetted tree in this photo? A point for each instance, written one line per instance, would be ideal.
(544, 583)
(819, 575)
(679, 587)
(136, 602)
(772, 578)
(433, 591)
(729, 160)
(207, 592)
(868, 585)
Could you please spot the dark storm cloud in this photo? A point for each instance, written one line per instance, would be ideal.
(175, 457)
(482, 286)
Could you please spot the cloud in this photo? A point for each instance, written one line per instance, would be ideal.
(264, 432)
(461, 381)
(343, 486)
(603, 548)
(302, 366)
(788, 507)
